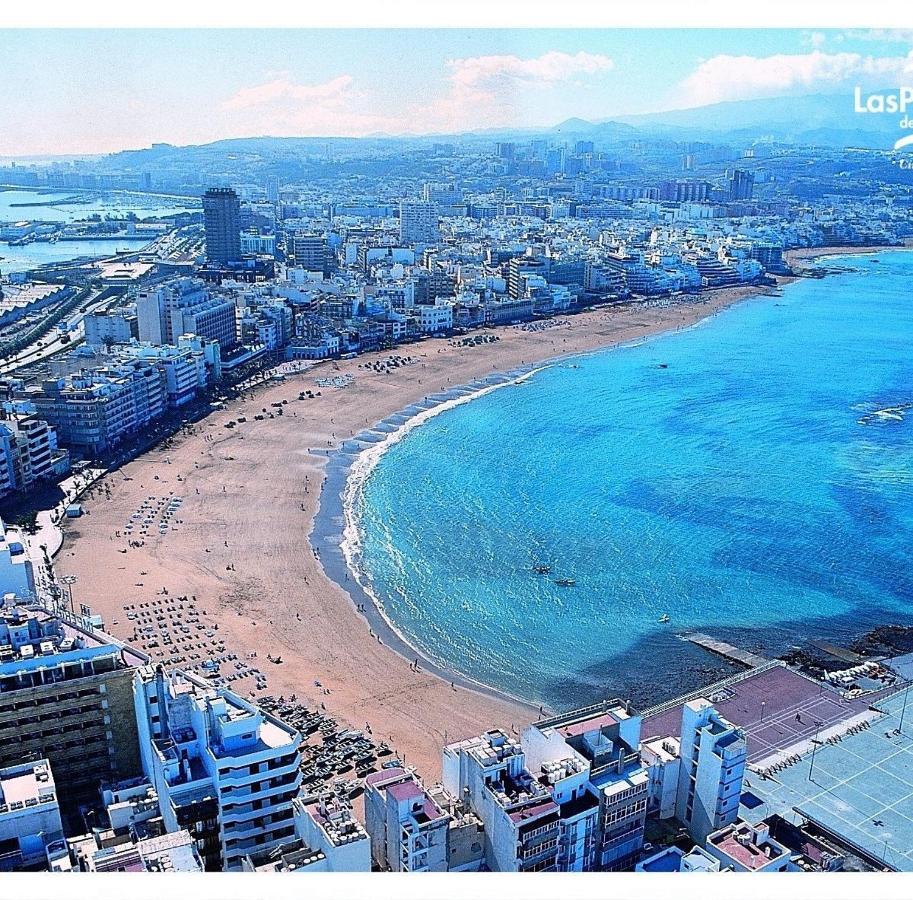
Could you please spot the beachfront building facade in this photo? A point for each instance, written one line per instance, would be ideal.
(713, 755)
(30, 821)
(521, 819)
(188, 367)
(28, 452)
(220, 765)
(96, 409)
(66, 696)
(408, 829)
(604, 804)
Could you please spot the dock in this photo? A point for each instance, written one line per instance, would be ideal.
(727, 651)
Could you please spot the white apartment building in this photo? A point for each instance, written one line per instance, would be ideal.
(29, 815)
(713, 757)
(28, 452)
(661, 757)
(188, 366)
(521, 820)
(606, 737)
(436, 318)
(16, 574)
(95, 409)
(408, 829)
(219, 764)
(185, 306)
(328, 826)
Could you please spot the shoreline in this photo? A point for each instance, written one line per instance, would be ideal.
(251, 496)
(349, 468)
(335, 531)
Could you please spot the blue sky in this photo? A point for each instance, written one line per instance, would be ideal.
(93, 91)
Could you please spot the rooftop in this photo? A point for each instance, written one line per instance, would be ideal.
(746, 846)
(336, 821)
(26, 785)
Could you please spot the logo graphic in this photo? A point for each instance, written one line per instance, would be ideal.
(890, 104)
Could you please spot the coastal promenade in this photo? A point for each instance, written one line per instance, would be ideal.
(250, 493)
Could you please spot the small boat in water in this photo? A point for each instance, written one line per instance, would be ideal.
(664, 618)
(542, 569)
(565, 582)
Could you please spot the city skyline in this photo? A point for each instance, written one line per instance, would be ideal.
(357, 83)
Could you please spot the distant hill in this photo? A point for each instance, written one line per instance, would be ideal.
(819, 119)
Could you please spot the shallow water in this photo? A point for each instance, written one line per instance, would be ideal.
(751, 477)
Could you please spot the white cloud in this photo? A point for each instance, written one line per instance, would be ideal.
(283, 89)
(479, 92)
(885, 35)
(490, 74)
(487, 91)
(749, 77)
(815, 39)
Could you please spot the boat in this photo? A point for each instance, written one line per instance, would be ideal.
(664, 618)
(542, 569)
(566, 582)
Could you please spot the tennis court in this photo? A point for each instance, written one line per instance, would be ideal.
(860, 787)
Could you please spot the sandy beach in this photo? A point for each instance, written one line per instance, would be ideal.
(236, 545)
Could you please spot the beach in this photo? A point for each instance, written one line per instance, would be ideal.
(238, 543)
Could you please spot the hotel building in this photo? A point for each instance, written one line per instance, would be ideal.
(222, 768)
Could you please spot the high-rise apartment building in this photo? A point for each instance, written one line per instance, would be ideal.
(741, 184)
(222, 768)
(222, 221)
(66, 695)
(310, 252)
(713, 757)
(186, 306)
(418, 222)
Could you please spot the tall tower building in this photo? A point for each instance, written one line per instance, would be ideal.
(418, 222)
(713, 754)
(310, 251)
(222, 218)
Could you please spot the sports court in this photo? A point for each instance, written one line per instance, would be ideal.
(776, 707)
(859, 787)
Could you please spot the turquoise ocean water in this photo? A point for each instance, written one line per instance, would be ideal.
(751, 477)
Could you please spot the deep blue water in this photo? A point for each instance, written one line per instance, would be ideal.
(748, 489)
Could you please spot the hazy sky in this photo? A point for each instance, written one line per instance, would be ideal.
(97, 91)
